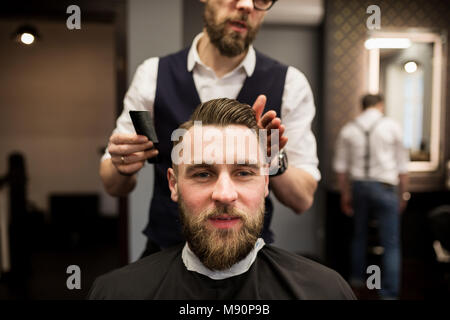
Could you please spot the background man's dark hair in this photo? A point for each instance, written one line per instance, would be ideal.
(369, 100)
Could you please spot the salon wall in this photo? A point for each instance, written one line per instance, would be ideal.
(345, 64)
(55, 109)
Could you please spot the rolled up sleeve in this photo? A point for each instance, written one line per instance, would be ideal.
(297, 113)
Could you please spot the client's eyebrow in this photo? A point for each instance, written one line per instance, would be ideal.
(249, 165)
(194, 167)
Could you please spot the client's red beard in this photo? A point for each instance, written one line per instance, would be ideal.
(219, 249)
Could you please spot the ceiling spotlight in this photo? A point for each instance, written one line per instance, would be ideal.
(26, 38)
(410, 66)
(25, 34)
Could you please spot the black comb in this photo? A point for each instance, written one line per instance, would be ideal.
(143, 124)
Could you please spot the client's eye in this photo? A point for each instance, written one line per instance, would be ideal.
(245, 173)
(203, 174)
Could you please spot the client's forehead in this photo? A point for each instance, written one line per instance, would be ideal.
(232, 144)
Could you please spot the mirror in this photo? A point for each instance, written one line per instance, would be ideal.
(406, 68)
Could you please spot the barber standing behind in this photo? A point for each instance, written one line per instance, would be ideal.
(220, 63)
(371, 163)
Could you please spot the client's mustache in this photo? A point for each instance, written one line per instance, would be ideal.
(243, 18)
(231, 212)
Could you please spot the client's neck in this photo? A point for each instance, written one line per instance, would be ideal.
(193, 263)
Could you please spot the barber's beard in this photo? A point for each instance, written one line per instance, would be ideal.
(219, 249)
(229, 43)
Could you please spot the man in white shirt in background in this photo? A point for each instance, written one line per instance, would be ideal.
(220, 63)
(371, 164)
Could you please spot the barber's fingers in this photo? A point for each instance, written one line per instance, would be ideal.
(267, 118)
(275, 126)
(134, 157)
(126, 138)
(275, 123)
(280, 129)
(259, 105)
(282, 140)
(281, 144)
(127, 149)
(150, 153)
(131, 168)
(132, 163)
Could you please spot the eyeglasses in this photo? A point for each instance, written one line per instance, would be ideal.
(263, 5)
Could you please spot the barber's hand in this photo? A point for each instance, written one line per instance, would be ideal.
(269, 121)
(129, 152)
(346, 205)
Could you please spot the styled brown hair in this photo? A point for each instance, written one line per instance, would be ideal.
(222, 112)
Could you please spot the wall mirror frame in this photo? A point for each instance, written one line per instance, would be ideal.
(420, 98)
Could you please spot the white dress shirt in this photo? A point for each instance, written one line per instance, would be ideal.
(388, 156)
(193, 263)
(297, 111)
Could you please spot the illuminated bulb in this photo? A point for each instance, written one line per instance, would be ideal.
(387, 43)
(27, 38)
(410, 67)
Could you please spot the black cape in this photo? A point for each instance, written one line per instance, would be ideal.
(275, 274)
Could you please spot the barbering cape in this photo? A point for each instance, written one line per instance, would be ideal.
(275, 274)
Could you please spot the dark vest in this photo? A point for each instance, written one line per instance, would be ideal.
(176, 99)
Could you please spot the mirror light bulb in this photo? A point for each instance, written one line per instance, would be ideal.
(410, 67)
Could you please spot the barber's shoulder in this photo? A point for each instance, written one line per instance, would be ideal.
(148, 64)
(295, 75)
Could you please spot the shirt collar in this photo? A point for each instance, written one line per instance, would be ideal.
(193, 263)
(248, 63)
(372, 113)
(368, 117)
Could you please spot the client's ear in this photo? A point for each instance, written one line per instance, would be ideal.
(173, 185)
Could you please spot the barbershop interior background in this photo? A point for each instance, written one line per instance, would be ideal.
(60, 96)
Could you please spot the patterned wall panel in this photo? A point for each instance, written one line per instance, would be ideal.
(345, 60)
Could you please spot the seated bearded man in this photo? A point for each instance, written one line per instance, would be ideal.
(219, 178)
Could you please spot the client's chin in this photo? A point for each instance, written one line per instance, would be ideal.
(224, 247)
